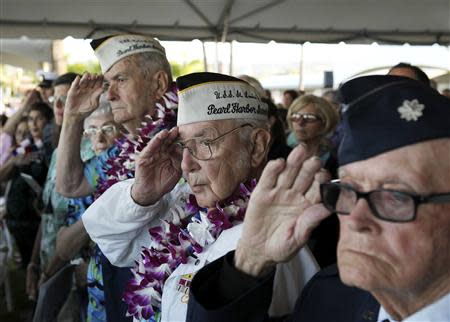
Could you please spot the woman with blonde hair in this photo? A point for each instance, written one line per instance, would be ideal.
(312, 120)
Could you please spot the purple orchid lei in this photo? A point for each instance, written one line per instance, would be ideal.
(122, 165)
(172, 244)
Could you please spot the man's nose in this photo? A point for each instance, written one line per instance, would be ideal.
(112, 93)
(361, 218)
(188, 162)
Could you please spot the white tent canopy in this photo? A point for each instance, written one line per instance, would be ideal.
(422, 22)
(27, 53)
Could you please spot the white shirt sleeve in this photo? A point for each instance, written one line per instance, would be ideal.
(120, 226)
(290, 278)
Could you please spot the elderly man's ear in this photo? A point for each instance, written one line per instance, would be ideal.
(161, 82)
(261, 143)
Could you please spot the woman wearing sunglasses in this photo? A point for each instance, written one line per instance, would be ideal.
(312, 119)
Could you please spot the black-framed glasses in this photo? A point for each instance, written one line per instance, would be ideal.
(201, 148)
(108, 130)
(305, 118)
(385, 204)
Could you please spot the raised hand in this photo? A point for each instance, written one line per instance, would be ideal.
(83, 96)
(283, 210)
(158, 168)
(31, 97)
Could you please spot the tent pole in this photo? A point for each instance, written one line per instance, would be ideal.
(448, 78)
(59, 61)
(301, 82)
(205, 62)
(217, 58)
(231, 58)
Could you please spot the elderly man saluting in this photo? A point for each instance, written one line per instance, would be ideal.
(393, 203)
(137, 81)
(172, 228)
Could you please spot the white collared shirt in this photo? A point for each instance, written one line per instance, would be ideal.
(438, 311)
(383, 316)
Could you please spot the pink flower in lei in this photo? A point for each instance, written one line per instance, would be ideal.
(121, 166)
(172, 244)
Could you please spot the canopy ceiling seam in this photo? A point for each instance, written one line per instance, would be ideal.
(223, 22)
(202, 16)
(257, 10)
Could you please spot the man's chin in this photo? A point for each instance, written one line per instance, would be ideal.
(356, 271)
(204, 201)
(120, 115)
(119, 118)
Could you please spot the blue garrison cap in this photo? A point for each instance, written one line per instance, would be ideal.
(384, 112)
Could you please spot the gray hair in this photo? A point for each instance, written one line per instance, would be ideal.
(103, 108)
(244, 136)
(256, 84)
(244, 133)
(151, 62)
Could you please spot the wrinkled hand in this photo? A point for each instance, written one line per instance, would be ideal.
(283, 210)
(158, 169)
(32, 282)
(83, 96)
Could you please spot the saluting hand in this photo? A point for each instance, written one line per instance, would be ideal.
(283, 210)
(83, 96)
(158, 168)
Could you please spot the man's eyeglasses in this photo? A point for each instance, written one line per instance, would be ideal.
(386, 204)
(200, 148)
(54, 99)
(108, 130)
(305, 118)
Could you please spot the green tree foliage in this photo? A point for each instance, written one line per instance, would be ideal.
(80, 68)
(187, 68)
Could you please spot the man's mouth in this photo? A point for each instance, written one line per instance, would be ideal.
(197, 188)
(196, 183)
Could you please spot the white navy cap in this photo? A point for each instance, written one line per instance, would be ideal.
(212, 96)
(111, 49)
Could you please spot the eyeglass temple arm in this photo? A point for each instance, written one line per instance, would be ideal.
(437, 198)
(226, 133)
